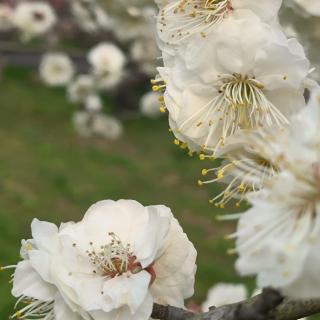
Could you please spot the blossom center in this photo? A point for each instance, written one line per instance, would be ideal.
(239, 102)
(38, 16)
(115, 259)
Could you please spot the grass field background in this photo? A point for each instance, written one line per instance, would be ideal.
(49, 172)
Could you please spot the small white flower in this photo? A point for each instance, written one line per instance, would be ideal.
(310, 6)
(56, 69)
(82, 122)
(93, 103)
(150, 105)
(180, 19)
(80, 88)
(5, 17)
(106, 58)
(33, 18)
(223, 293)
(228, 82)
(278, 239)
(89, 123)
(106, 126)
(107, 80)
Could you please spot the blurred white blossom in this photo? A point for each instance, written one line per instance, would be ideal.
(33, 18)
(93, 103)
(310, 6)
(106, 58)
(56, 69)
(5, 17)
(80, 88)
(107, 126)
(224, 293)
(150, 105)
(90, 16)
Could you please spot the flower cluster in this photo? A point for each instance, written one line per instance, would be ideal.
(235, 87)
(114, 264)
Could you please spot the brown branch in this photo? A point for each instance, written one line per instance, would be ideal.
(266, 306)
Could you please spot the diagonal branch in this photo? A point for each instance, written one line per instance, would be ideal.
(266, 306)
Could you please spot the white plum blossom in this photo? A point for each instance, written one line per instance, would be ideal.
(80, 88)
(56, 69)
(150, 105)
(278, 239)
(180, 19)
(224, 293)
(122, 257)
(35, 279)
(113, 264)
(5, 17)
(33, 18)
(312, 7)
(244, 76)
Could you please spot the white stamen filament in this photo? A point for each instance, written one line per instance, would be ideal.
(34, 309)
(193, 16)
(239, 104)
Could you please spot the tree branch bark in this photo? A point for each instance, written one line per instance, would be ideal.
(266, 306)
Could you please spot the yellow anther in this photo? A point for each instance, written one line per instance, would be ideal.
(238, 204)
(204, 172)
(155, 88)
(220, 174)
(176, 142)
(190, 153)
(200, 183)
(221, 206)
(162, 109)
(285, 77)
(170, 130)
(202, 156)
(241, 188)
(211, 201)
(28, 246)
(161, 99)
(184, 145)
(231, 252)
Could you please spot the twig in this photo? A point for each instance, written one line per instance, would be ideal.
(266, 306)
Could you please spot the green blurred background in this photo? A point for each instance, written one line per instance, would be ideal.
(48, 171)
